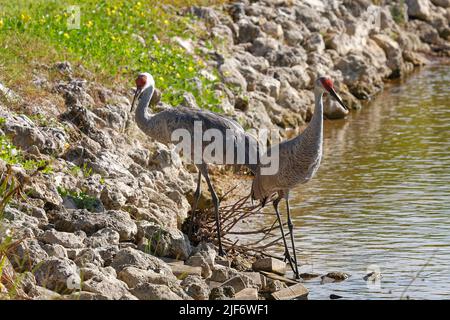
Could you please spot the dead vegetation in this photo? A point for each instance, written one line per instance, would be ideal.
(12, 185)
(247, 229)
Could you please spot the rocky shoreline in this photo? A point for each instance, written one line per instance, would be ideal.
(105, 221)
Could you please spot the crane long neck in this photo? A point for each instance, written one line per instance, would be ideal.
(143, 117)
(317, 119)
(312, 137)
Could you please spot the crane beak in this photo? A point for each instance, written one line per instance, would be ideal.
(338, 98)
(136, 95)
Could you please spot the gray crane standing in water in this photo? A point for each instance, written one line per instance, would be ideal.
(160, 127)
(299, 159)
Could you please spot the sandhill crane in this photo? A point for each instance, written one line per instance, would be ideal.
(160, 127)
(299, 159)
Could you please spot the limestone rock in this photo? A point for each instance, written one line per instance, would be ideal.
(270, 265)
(90, 222)
(65, 239)
(163, 241)
(231, 75)
(102, 238)
(222, 293)
(131, 257)
(102, 282)
(58, 274)
(198, 260)
(293, 292)
(196, 288)
(419, 9)
(26, 255)
(149, 291)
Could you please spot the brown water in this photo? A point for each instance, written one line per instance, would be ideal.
(381, 198)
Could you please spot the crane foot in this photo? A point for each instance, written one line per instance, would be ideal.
(288, 258)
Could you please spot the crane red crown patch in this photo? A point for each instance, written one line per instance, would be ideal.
(141, 81)
(327, 83)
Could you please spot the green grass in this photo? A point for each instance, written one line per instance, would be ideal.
(33, 31)
(397, 12)
(81, 199)
(9, 189)
(13, 156)
(85, 171)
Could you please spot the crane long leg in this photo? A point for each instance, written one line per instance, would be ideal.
(215, 199)
(286, 253)
(291, 229)
(197, 193)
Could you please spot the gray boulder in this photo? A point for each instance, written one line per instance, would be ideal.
(102, 238)
(131, 257)
(103, 282)
(149, 291)
(229, 71)
(164, 242)
(419, 9)
(196, 288)
(89, 222)
(65, 239)
(26, 255)
(58, 274)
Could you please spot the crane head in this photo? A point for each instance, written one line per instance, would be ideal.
(326, 84)
(143, 81)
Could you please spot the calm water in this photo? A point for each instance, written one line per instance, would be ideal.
(381, 198)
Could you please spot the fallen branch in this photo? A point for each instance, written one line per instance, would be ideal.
(235, 239)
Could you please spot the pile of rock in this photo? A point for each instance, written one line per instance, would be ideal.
(101, 263)
(274, 49)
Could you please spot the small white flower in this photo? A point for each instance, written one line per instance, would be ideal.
(8, 232)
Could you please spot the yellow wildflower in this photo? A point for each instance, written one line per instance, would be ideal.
(89, 24)
(166, 22)
(1, 23)
(190, 69)
(66, 35)
(161, 79)
(25, 17)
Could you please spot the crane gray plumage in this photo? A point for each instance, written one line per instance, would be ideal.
(299, 159)
(160, 127)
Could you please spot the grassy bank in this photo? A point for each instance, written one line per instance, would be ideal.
(112, 39)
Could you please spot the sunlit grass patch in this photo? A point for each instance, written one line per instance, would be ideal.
(80, 199)
(11, 155)
(114, 39)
